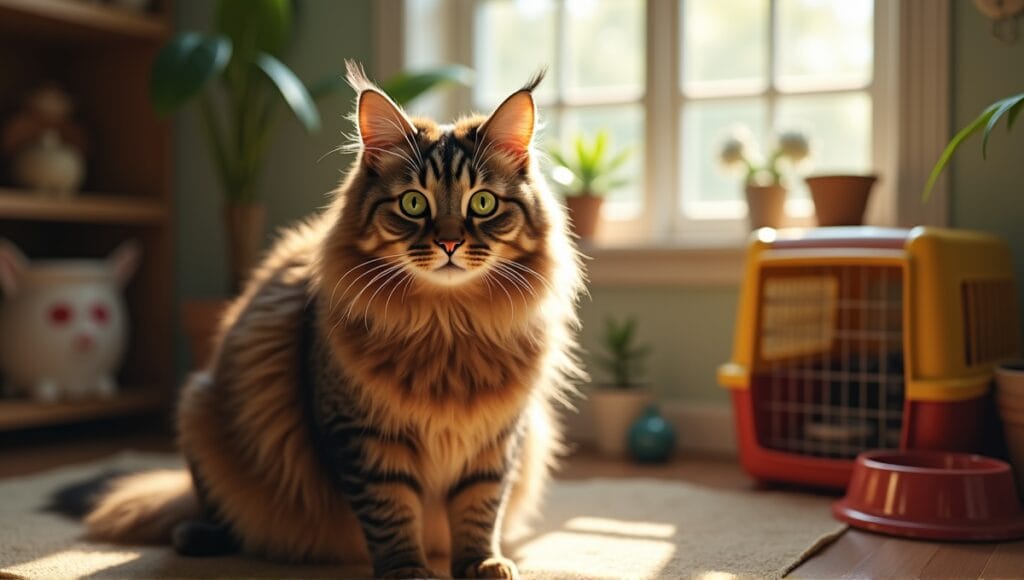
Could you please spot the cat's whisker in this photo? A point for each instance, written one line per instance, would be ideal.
(366, 286)
(381, 286)
(528, 270)
(358, 278)
(502, 287)
(408, 160)
(350, 270)
(404, 280)
(519, 276)
(516, 283)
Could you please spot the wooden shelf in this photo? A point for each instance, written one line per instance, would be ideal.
(83, 208)
(77, 19)
(24, 414)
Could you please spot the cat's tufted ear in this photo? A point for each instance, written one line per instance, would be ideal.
(382, 125)
(12, 264)
(511, 126)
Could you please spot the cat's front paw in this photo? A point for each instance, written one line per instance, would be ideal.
(410, 572)
(494, 567)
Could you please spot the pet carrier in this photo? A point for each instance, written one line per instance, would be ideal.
(851, 339)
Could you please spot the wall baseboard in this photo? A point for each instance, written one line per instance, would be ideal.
(700, 427)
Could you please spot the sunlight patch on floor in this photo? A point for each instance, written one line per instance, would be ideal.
(85, 562)
(717, 576)
(621, 527)
(601, 548)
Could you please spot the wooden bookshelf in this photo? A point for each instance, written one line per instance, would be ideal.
(101, 55)
(83, 207)
(68, 20)
(23, 414)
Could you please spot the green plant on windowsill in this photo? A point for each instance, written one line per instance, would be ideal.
(1009, 107)
(585, 174)
(622, 358)
(237, 75)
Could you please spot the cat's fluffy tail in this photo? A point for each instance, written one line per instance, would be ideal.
(141, 508)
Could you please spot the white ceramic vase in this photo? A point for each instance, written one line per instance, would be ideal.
(63, 323)
(614, 411)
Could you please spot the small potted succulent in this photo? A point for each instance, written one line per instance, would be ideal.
(585, 175)
(766, 195)
(619, 403)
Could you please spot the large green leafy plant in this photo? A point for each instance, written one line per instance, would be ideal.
(588, 168)
(238, 76)
(1009, 107)
(622, 358)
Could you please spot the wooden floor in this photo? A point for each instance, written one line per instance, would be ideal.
(855, 554)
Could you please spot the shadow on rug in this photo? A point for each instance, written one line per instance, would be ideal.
(600, 528)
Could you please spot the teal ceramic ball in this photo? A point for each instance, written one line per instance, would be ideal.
(651, 438)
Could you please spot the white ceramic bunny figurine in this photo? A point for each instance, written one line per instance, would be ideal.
(63, 323)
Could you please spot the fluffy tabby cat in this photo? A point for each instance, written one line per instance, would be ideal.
(382, 390)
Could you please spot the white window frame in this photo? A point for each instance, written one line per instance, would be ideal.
(910, 110)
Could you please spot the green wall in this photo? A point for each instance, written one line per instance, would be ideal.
(689, 330)
(297, 180)
(987, 194)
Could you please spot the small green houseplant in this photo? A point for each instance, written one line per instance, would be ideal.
(585, 174)
(1009, 107)
(617, 404)
(765, 192)
(237, 75)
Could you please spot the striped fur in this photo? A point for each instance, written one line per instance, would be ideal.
(425, 425)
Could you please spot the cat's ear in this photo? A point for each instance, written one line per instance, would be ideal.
(124, 261)
(382, 125)
(12, 264)
(511, 126)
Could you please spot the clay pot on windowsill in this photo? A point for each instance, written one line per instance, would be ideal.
(840, 200)
(766, 205)
(584, 215)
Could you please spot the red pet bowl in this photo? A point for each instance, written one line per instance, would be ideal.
(932, 495)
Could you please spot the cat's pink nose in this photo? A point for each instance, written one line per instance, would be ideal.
(449, 246)
(84, 343)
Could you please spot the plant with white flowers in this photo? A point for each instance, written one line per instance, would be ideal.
(740, 151)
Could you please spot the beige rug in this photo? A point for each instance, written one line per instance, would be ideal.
(601, 528)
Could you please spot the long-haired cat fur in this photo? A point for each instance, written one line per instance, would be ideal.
(383, 389)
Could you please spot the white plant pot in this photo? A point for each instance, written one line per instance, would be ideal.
(615, 410)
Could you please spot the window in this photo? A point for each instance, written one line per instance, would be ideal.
(669, 79)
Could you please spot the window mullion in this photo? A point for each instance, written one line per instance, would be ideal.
(661, 189)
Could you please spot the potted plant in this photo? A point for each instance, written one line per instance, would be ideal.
(585, 175)
(840, 200)
(1009, 374)
(237, 76)
(766, 195)
(618, 404)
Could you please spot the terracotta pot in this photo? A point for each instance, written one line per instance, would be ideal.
(244, 223)
(766, 205)
(201, 319)
(1010, 401)
(584, 215)
(615, 410)
(840, 200)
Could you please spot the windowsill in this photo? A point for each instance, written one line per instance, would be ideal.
(705, 263)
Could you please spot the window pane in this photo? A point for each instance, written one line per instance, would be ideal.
(724, 46)
(824, 43)
(513, 40)
(708, 190)
(839, 128)
(625, 126)
(606, 45)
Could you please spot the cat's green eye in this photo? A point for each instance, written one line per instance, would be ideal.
(483, 203)
(413, 203)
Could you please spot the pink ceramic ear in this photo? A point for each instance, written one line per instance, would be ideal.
(12, 264)
(125, 260)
